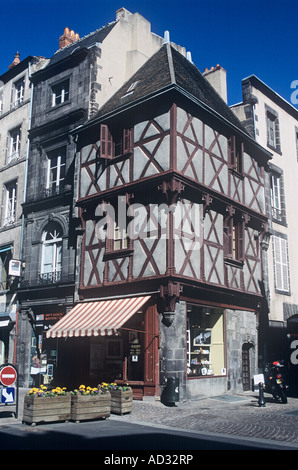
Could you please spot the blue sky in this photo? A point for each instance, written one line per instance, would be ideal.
(245, 36)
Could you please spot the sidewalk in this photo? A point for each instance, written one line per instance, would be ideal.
(235, 415)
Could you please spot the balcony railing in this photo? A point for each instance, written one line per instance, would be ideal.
(49, 278)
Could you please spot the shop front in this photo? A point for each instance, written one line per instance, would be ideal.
(108, 341)
(205, 342)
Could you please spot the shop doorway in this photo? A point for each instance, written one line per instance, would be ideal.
(246, 377)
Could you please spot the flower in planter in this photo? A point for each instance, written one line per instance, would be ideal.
(44, 392)
(83, 390)
(114, 386)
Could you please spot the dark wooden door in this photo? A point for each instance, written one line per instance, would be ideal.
(245, 368)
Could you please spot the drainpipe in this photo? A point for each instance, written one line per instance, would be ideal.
(24, 200)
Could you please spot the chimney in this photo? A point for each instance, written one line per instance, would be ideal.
(16, 60)
(217, 77)
(68, 37)
(122, 13)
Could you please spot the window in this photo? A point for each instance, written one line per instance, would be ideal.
(18, 93)
(281, 265)
(5, 257)
(120, 239)
(115, 142)
(235, 155)
(205, 341)
(14, 143)
(56, 171)
(10, 200)
(277, 212)
(273, 133)
(234, 239)
(117, 241)
(60, 93)
(51, 259)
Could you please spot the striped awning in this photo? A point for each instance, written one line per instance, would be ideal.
(97, 318)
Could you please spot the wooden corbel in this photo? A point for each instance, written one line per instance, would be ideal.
(169, 296)
(171, 190)
(207, 201)
(246, 219)
(265, 235)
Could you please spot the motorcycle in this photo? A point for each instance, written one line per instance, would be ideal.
(275, 380)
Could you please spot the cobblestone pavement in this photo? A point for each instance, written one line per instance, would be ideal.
(235, 415)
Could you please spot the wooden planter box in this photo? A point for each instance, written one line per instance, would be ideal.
(121, 401)
(84, 407)
(46, 409)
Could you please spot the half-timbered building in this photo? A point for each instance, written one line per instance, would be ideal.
(170, 192)
(75, 82)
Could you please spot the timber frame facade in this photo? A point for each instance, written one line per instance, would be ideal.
(189, 179)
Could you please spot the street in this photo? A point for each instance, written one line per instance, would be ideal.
(114, 435)
(226, 422)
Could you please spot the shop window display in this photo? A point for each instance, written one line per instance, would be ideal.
(205, 341)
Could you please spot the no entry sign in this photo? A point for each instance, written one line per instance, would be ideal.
(8, 376)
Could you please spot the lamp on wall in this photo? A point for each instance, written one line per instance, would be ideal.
(206, 311)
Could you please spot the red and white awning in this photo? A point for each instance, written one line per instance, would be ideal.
(97, 318)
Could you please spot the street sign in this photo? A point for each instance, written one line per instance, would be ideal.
(8, 395)
(8, 375)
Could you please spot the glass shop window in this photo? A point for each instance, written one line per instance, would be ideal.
(205, 341)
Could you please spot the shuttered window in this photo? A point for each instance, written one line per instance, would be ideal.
(115, 144)
(281, 265)
(234, 246)
(236, 150)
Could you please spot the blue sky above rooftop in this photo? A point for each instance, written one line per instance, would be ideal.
(245, 37)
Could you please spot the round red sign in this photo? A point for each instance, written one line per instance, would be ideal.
(8, 376)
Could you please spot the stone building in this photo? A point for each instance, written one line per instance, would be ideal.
(15, 117)
(274, 123)
(75, 82)
(170, 191)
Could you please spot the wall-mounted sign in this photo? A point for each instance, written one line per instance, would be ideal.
(14, 268)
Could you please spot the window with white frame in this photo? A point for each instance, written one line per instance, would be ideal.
(281, 264)
(18, 92)
(51, 258)
(60, 93)
(276, 197)
(10, 201)
(56, 171)
(14, 144)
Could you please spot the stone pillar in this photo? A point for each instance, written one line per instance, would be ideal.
(23, 349)
(172, 354)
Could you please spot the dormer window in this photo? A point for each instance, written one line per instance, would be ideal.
(130, 89)
(115, 142)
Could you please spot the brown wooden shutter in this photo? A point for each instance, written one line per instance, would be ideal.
(240, 241)
(127, 141)
(228, 239)
(106, 142)
(232, 151)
